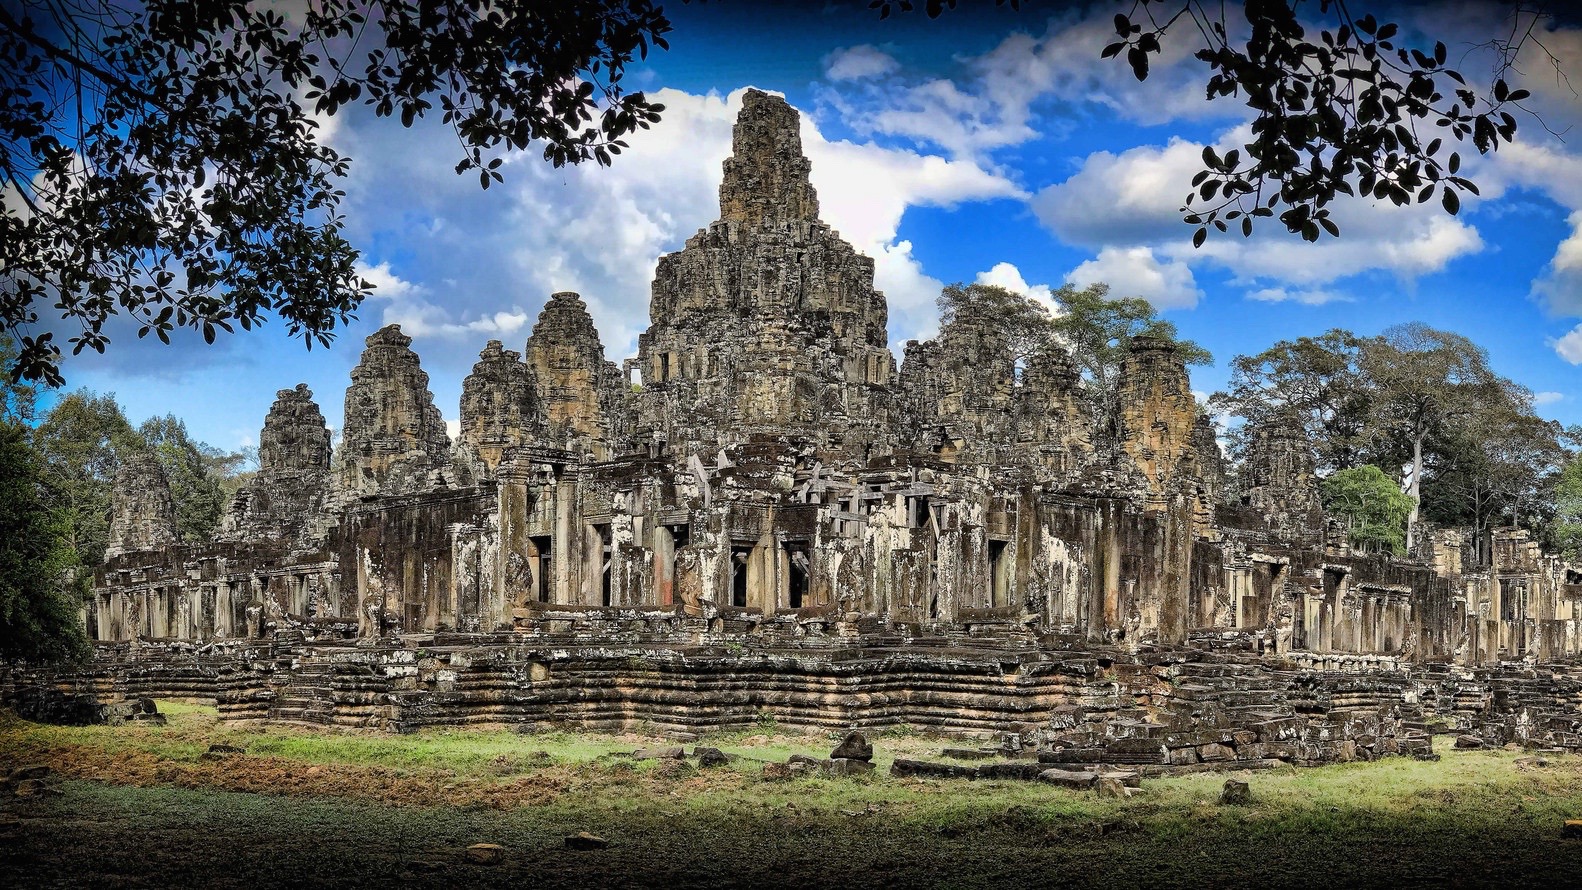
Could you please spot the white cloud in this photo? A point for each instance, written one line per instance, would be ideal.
(1548, 398)
(1138, 272)
(859, 63)
(1569, 347)
(1560, 285)
(994, 103)
(1134, 199)
(1312, 297)
(407, 304)
(1006, 275)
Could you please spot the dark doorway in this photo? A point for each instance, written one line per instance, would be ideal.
(739, 559)
(543, 577)
(797, 574)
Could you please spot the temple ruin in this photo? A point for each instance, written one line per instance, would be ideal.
(762, 513)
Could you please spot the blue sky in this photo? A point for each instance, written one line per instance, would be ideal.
(991, 146)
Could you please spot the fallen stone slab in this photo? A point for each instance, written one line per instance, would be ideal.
(926, 769)
(1024, 771)
(36, 771)
(672, 753)
(709, 757)
(969, 754)
(582, 840)
(1128, 777)
(1468, 741)
(1060, 778)
(1109, 787)
(1572, 828)
(486, 854)
(841, 766)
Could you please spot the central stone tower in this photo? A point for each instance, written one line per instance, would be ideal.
(767, 323)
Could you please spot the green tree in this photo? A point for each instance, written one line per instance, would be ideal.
(1317, 379)
(161, 159)
(1024, 325)
(1372, 506)
(194, 470)
(1497, 465)
(1422, 381)
(79, 443)
(1099, 332)
(1565, 529)
(38, 615)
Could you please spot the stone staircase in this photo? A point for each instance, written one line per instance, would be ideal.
(308, 695)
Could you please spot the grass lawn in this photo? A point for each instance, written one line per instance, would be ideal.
(306, 807)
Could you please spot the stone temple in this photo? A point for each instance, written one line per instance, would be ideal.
(761, 513)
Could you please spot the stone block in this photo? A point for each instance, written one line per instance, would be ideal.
(854, 746)
(488, 854)
(583, 840)
(1060, 778)
(1236, 792)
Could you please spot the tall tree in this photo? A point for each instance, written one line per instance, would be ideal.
(1497, 465)
(38, 614)
(1423, 379)
(79, 443)
(161, 159)
(1565, 528)
(194, 470)
(1099, 332)
(1021, 323)
(1319, 379)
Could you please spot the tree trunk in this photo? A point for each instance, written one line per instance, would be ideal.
(1415, 491)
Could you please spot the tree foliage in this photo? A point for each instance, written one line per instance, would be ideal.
(38, 616)
(1372, 507)
(79, 444)
(1022, 324)
(1099, 332)
(1565, 529)
(1349, 110)
(1318, 380)
(195, 475)
(1422, 380)
(1472, 450)
(161, 159)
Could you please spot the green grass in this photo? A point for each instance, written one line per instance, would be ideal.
(1474, 818)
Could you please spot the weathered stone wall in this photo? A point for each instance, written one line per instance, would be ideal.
(583, 399)
(767, 322)
(284, 501)
(775, 484)
(499, 410)
(394, 440)
(142, 512)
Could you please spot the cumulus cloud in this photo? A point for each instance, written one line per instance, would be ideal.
(1569, 347)
(1548, 398)
(1006, 275)
(1560, 285)
(1139, 272)
(1133, 198)
(859, 63)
